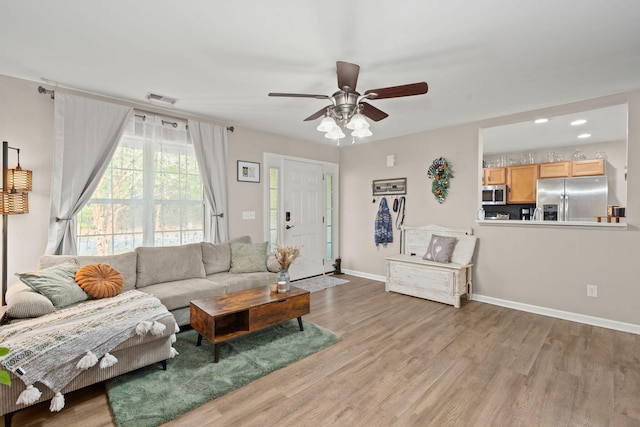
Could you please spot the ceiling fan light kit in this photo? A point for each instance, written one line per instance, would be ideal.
(348, 109)
(327, 124)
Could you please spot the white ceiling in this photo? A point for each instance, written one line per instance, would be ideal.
(607, 124)
(482, 59)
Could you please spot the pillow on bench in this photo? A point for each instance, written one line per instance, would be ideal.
(440, 249)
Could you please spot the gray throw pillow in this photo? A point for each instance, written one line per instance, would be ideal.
(58, 283)
(24, 302)
(248, 257)
(440, 249)
(217, 257)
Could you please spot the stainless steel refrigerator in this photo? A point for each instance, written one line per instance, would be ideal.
(573, 199)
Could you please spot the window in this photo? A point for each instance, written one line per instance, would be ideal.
(273, 206)
(150, 195)
(329, 215)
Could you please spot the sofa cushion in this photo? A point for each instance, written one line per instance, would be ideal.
(23, 302)
(248, 257)
(99, 280)
(125, 264)
(169, 263)
(177, 294)
(240, 282)
(57, 283)
(217, 256)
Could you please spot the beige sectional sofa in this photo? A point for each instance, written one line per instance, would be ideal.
(175, 275)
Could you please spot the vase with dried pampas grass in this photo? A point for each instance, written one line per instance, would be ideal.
(285, 255)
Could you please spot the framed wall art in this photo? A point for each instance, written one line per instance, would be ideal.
(248, 171)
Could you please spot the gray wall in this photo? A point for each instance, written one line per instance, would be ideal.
(540, 266)
(546, 267)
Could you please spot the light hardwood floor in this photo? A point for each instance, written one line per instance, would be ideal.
(405, 361)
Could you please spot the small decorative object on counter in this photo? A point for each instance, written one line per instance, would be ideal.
(601, 155)
(537, 214)
(273, 287)
(481, 214)
(282, 287)
(441, 173)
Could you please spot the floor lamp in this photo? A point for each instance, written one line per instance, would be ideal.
(15, 200)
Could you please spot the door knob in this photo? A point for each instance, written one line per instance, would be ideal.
(289, 226)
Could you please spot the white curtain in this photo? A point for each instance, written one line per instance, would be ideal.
(86, 135)
(210, 145)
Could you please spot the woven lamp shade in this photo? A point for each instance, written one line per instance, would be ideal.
(19, 179)
(14, 203)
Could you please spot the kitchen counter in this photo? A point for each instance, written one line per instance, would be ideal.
(520, 223)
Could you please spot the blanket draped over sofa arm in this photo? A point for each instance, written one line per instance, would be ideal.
(55, 348)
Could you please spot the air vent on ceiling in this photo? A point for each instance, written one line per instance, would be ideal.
(160, 99)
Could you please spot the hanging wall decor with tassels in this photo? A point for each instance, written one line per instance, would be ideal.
(441, 173)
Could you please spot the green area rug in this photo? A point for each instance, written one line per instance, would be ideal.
(151, 396)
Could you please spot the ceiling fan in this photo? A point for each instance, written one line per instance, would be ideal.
(347, 105)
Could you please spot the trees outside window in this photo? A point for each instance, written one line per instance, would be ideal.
(150, 195)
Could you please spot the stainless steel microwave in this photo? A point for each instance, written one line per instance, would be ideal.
(494, 194)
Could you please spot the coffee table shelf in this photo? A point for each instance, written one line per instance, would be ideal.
(230, 315)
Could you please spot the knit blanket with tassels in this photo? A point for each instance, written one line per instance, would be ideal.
(55, 348)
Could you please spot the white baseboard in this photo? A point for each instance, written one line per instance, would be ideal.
(566, 315)
(544, 311)
(365, 275)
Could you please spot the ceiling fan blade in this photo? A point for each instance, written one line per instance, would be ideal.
(317, 114)
(299, 95)
(347, 74)
(372, 112)
(398, 91)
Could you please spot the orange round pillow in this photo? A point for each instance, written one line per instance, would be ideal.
(100, 280)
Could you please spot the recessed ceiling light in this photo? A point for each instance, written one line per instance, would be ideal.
(584, 135)
(578, 122)
(540, 121)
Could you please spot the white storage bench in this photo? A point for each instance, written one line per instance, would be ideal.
(408, 273)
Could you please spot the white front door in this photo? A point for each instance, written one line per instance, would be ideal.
(303, 206)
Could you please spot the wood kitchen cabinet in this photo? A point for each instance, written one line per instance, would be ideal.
(521, 183)
(588, 167)
(556, 169)
(494, 176)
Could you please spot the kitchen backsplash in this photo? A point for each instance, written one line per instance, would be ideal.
(514, 211)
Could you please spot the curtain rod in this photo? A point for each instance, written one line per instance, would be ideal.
(166, 122)
(53, 93)
(50, 92)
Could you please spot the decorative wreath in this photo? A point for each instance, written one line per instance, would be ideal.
(440, 172)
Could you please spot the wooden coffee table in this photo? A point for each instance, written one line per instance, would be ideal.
(227, 316)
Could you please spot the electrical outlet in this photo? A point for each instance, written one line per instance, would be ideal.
(592, 291)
